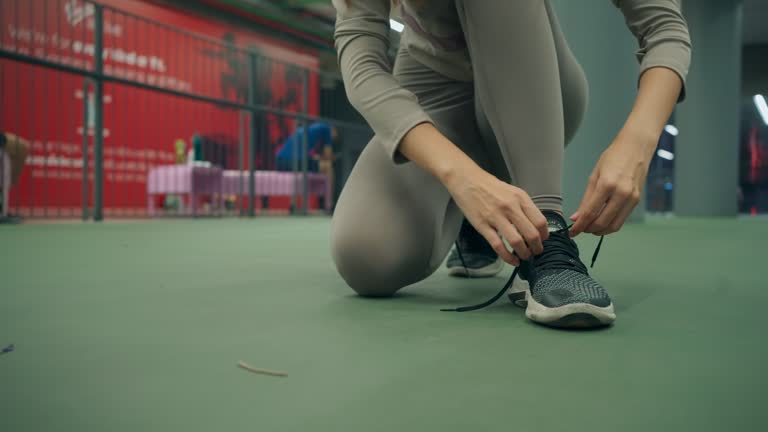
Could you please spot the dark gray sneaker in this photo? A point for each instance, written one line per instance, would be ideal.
(472, 256)
(562, 294)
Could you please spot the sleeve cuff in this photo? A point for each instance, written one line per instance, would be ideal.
(670, 56)
(392, 145)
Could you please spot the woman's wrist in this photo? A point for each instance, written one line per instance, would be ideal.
(456, 172)
(642, 138)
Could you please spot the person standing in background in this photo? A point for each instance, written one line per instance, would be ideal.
(17, 149)
(319, 136)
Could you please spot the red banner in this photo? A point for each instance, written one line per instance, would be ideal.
(141, 127)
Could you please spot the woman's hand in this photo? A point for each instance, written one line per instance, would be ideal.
(617, 181)
(498, 210)
(615, 186)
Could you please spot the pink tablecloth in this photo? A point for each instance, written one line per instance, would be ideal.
(184, 179)
(277, 183)
(195, 180)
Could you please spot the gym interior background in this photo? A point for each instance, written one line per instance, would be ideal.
(162, 238)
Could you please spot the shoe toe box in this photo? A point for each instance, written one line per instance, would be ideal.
(560, 288)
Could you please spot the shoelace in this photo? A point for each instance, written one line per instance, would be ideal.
(548, 259)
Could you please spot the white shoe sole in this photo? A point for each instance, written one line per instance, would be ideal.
(483, 272)
(577, 315)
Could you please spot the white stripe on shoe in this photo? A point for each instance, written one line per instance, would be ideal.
(482, 272)
(518, 292)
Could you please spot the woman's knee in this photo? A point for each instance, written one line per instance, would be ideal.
(573, 80)
(575, 99)
(375, 267)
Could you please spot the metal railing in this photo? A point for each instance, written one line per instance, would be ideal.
(165, 121)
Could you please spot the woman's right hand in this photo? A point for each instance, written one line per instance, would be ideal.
(496, 209)
(499, 210)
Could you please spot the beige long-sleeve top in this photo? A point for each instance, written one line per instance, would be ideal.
(434, 38)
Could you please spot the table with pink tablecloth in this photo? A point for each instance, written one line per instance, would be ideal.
(197, 180)
(277, 183)
(189, 180)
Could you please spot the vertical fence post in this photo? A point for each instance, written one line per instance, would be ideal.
(295, 165)
(86, 120)
(98, 135)
(305, 144)
(300, 124)
(242, 124)
(253, 135)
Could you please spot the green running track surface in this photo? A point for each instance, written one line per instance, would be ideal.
(139, 327)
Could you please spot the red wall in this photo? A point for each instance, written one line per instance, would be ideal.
(140, 126)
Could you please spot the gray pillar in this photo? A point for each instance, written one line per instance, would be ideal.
(605, 48)
(707, 148)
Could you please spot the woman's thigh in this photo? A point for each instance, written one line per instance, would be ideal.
(573, 88)
(517, 77)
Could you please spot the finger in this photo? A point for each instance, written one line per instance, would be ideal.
(537, 219)
(530, 233)
(620, 218)
(591, 184)
(499, 247)
(510, 233)
(615, 203)
(590, 208)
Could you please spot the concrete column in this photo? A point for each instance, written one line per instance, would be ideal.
(707, 148)
(605, 48)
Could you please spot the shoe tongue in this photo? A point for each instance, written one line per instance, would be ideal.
(555, 222)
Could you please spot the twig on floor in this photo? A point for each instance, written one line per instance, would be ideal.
(250, 368)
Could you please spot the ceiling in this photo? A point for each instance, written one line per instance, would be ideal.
(317, 16)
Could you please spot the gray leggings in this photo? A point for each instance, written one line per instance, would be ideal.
(394, 224)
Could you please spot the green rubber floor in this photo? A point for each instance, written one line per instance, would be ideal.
(139, 327)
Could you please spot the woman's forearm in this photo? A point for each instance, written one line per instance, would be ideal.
(616, 184)
(425, 146)
(656, 98)
(496, 209)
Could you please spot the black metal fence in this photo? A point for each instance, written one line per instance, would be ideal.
(164, 121)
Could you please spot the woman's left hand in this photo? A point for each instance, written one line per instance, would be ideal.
(615, 185)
